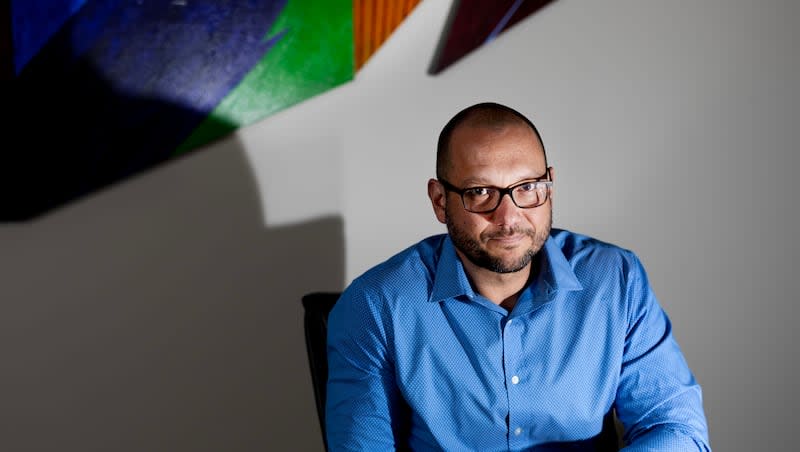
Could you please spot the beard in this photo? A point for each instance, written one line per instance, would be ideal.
(476, 252)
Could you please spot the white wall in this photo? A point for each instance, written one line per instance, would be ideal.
(163, 312)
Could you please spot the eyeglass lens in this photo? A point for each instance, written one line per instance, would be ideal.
(487, 199)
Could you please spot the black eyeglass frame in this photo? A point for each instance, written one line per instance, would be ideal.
(503, 191)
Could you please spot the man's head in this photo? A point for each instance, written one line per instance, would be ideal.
(493, 146)
(487, 114)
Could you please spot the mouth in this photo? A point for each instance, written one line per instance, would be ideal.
(507, 240)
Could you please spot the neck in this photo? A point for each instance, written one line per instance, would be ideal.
(501, 289)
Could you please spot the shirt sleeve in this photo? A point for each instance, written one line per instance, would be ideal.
(363, 407)
(658, 400)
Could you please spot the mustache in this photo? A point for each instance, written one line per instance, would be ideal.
(508, 232)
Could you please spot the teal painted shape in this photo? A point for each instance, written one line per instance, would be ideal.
(313, 52)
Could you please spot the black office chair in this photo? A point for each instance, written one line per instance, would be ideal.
(318, 305)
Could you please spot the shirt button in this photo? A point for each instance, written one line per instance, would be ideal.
(509, 321)
(518, 431)
(514, 379)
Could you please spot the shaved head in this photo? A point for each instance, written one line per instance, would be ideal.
(486, 115)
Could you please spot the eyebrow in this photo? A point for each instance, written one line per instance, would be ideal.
(479, 182)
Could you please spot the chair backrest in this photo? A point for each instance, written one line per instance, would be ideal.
(317, 305)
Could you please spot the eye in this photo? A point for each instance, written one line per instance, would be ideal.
(526, 187)
(477, 192)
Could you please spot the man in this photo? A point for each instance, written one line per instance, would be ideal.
(504, 334)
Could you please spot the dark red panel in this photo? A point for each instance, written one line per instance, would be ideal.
(471, 22)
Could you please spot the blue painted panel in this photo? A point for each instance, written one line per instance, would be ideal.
(119, 86)
(34, 22)
(188, 52)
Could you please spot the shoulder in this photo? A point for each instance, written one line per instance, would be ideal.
(415, 261)
(585, 253)
(369, 303)
(408, 273)
(606, 271)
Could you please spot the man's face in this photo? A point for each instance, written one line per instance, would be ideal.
(505, 240)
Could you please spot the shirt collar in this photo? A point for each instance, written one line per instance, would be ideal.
(450, 280)
(556, 274)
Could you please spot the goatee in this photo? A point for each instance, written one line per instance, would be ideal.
(480, 256)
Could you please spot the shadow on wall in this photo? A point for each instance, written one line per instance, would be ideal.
(76, 132)
(162, 315)
(117, 90)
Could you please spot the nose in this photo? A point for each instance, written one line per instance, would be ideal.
(506, 212)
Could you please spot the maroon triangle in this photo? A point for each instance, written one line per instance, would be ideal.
(471, 22)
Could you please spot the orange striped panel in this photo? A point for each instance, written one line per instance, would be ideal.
(373, 22)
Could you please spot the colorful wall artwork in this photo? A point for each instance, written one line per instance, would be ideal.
(103, 89)
(473, 23)
(374, 21)
(35, 21)
(6, 51)
(100, 90)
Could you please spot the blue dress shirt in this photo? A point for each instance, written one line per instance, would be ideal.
(411, 338)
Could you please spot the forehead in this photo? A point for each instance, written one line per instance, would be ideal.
(498, 155)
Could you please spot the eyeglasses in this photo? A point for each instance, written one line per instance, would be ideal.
(525, 195)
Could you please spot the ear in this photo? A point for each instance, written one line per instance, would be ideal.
(552, 172)
(438, 197)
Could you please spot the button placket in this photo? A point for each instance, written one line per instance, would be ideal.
(512, 347)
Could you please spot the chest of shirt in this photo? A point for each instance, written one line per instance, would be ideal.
(543, 373)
